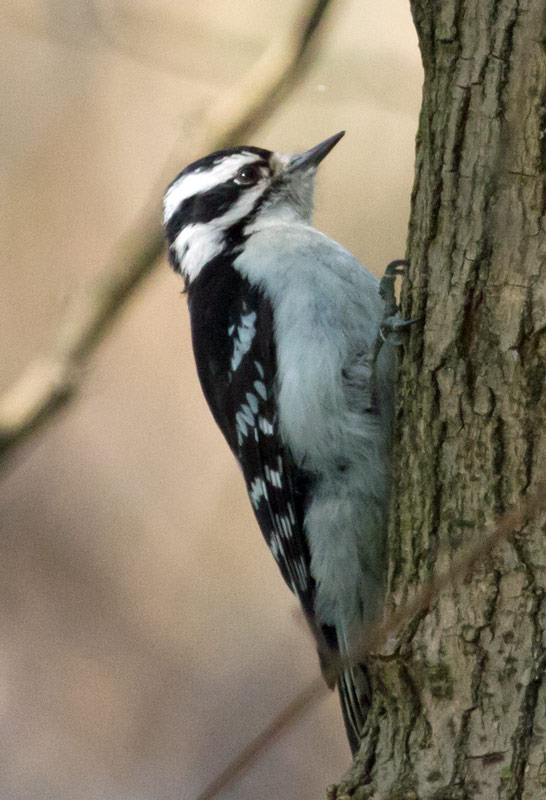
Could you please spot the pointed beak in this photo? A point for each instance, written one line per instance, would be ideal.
(312, 158)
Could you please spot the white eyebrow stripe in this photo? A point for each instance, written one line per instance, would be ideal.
(199, 182)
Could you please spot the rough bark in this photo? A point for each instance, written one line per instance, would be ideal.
(460, 706)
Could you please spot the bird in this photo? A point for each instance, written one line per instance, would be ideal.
(295, 353)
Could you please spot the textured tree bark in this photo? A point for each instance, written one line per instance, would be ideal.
(460, 703)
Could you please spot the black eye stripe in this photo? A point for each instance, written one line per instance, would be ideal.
(203, 207)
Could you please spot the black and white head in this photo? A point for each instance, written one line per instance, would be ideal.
(218, 201)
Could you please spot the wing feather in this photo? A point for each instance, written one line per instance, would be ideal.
(239, 383)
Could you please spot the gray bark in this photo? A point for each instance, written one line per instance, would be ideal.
(460, 706)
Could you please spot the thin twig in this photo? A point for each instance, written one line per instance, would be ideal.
(377, 637)
(384, 634)
(50, 382)
(290, 713)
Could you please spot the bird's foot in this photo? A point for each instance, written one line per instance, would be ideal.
(386, 285)
(391, 325)
(390, 328)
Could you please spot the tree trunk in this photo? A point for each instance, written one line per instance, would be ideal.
(460, 706)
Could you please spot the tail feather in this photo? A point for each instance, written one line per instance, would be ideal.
(355, 695)
(354, 683)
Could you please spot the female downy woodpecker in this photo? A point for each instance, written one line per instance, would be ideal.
(285, 327)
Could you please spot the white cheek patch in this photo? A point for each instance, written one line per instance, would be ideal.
(195, 246)
(199, 182)
(199, 242)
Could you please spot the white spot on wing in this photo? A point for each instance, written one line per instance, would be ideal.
(302, 574)
(252, 401)
(265, 426)
(260, 388)
(245, 419)
(257, 491)
(273, 477)
(285, 526)
(247, 415)
(245, 334)
(242, 429)
(297, 568)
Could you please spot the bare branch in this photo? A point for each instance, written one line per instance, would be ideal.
(52, 381)
(384, 636)
(381, 636)
(290, 713)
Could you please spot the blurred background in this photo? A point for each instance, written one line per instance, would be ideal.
(145, 633)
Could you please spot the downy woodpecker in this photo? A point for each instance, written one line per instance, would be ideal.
(285, 327)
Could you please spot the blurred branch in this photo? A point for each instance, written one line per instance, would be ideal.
(382, 636)
(150, 29)
(290, 713)
(51, 382)
(138, 32)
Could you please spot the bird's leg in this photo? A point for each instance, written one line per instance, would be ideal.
(391, 324)
(386, 285)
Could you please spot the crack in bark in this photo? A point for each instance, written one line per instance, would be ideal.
(407, 773)
(464, 340)
(459, 777)
(533, 368)
(499, 459)
(524, 731)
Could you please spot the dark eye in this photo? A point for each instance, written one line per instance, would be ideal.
(248, 175)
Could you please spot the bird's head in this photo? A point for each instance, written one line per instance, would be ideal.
(216, 202)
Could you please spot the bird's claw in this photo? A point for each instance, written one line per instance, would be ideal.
(386, 284)
(391, 326)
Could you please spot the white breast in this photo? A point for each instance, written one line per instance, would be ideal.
(327, 312)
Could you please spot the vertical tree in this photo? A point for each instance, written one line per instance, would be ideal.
(460, 707)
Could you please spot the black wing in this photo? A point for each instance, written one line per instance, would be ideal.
(232, 330)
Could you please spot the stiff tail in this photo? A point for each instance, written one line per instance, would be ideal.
(354, 683)
(355, 695)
